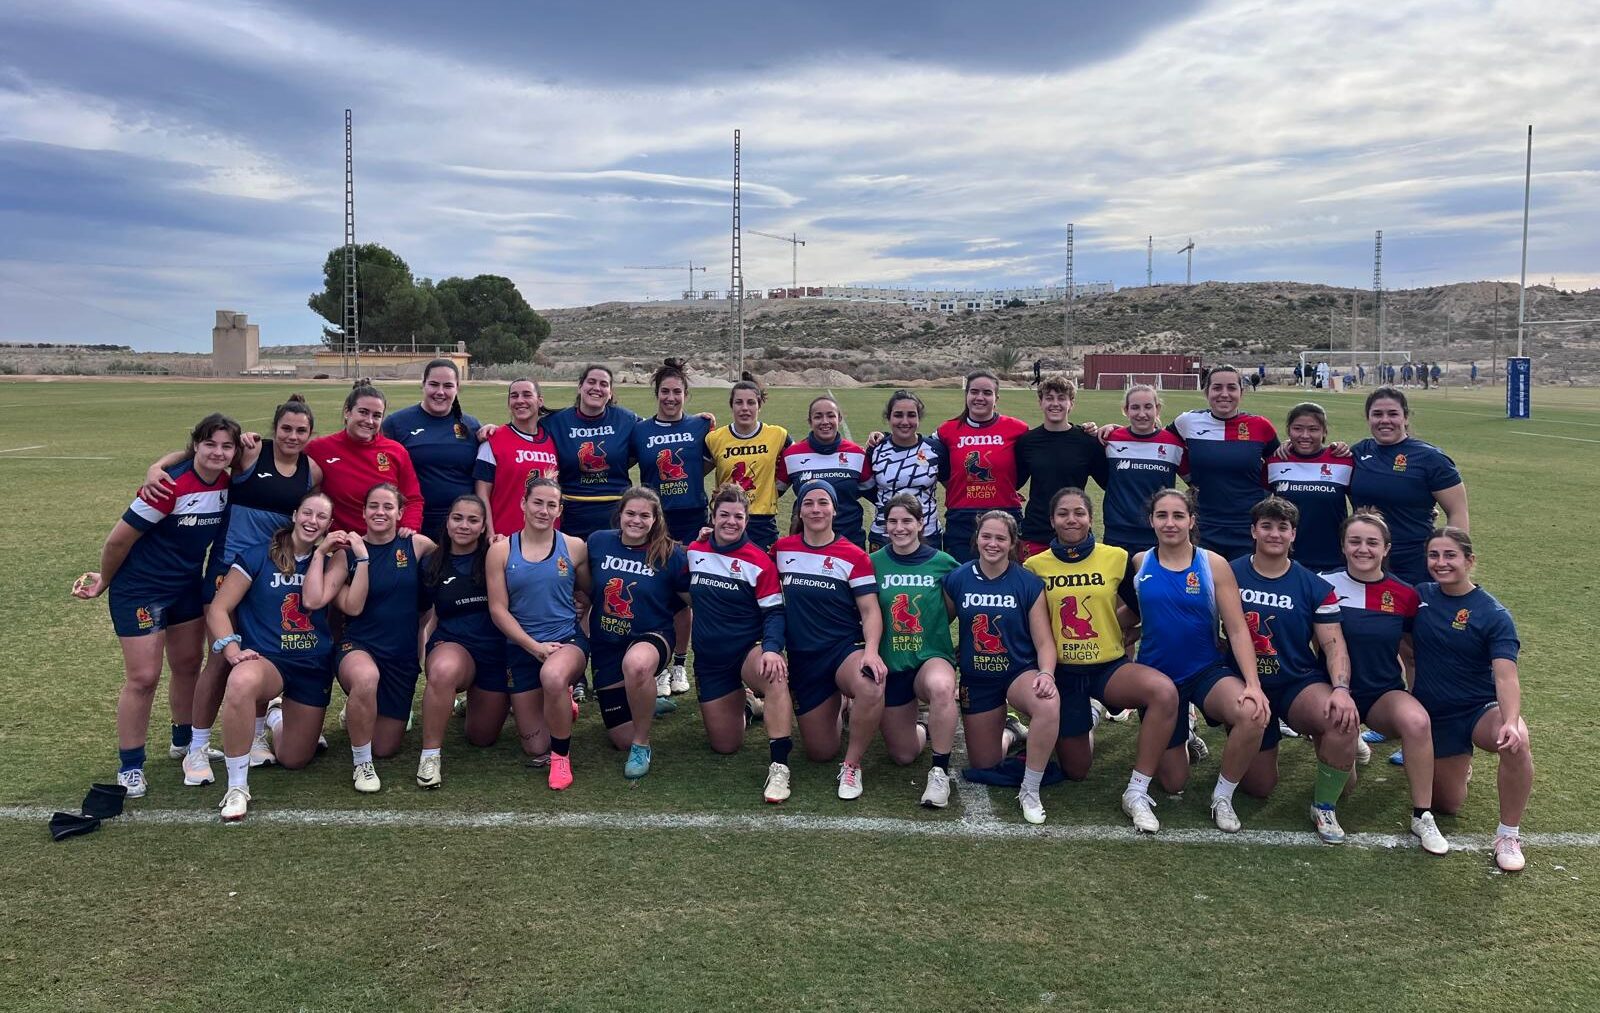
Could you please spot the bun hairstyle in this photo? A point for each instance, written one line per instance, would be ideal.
(360, 389)
(729, 492)
(281, 548)
(669, 368)
(1366, 515)
(903, 395)
(748, 381)
(294, 405)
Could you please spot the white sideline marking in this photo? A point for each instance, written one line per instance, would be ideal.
(13, 450)
(976, 808)
(770, 823)
(1553, 436)
(69, 458)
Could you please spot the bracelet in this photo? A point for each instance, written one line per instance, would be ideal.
(1345, 688)
(361, 559)
(219, 644)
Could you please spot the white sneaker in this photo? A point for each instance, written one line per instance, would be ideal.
(366, 778)
(261, 754)
(343, 711)
(680, 679)
(777, 789)
(1223, 816)
(849, 781)
(664, 682)
(235, 803)
(1424, 829)
(1326, 822)
(1032, 806)
(1197, 748)
(1141, 809)
(1507, 852)
(1097, 713)
(430, 772)
(197, 769)
(459, 708)
(1285, 731)
(937, 794)
(1363, 751)
(1123, 716)
(133, 780)
(179, 752)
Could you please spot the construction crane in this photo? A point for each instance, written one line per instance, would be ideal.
(1188, 267)
(795, 242)
(692, 266)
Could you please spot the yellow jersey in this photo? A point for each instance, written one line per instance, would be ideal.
(1082, 600)
(750, 462)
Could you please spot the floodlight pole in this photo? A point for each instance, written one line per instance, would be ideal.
(1522, 288)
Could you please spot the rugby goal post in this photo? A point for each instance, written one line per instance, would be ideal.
(1160, 381)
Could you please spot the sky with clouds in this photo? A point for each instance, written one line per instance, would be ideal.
(164, 159)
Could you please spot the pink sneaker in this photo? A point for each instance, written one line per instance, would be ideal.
(560, 772)
(1508, 854)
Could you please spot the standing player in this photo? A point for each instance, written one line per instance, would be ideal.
(1189, 593)
(1316, 479)
(1142, 458)
(1376, 613)
(672, 454)
(980, 468)
(533, 579)
(907, 462)
(739, 630)
(441, 440)
(464, 641)
(640, 577)
(1226, 448)
(1083, 582)
(512, 453)
(359, 457)
(745, 452)
(376, 660)
(918, 650)
(153, 562)
(1287, 608)
(1466, 647)
(1052, 456)
(1007, 654)
(1406, 479)
(833, 629)
(825, 456)
(270, 621)
(594, 445)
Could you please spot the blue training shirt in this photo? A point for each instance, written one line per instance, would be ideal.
(820, 588)
(593, 453)
(270, 617)
(1281, 613)
(443, 452)
(175, 533)
(460, 603)
(1457, 640)
(261, 501)
(1374, 617)
(996, 641)
(632, 598)
(387, 625)
(540, 592)
(1400, 480)
(738, 601)
(1225, 457)
(672, 460)
(1317, 485)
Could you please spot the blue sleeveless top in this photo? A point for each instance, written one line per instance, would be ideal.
(387, 625)
(540, 592)
(261, 501)
(270, 618)
(1180, 612)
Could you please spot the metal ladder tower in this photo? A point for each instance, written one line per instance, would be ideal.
(1377, 290)
(1066, 310)
(352, 311)
(1149, 261)
(736, 276)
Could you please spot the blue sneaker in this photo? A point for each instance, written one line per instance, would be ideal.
(1397, 758)
(1372, 738)
(638, 764)
(665, 705)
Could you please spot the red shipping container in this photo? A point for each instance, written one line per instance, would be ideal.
(1145, 369)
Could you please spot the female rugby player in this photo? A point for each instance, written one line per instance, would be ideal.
(1007, 653)
(1316, 479)
(979, 468)
(745, 452)
(1226, 449)
(906, 462)
(917, 645)
(1052, 456)
(1142, 458)
(514, 451)
(824, 455)
(593, 444)
(442, 441)
(359, 457)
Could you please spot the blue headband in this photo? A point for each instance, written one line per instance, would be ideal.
(816, 485)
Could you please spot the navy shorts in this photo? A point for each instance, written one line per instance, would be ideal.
(983, 693)
(811, 674)
(960, 526)
(308, 682)
(762, 529)
(900, 688)
(1194, 691)
(1366, 698)
(1280, 699)
(685, 525)
(1076, 684)
(715, 677)
(582, 518)
(216, 573)
(486, 658)
(522, 670)
(1452, 733)
(397, 678)
(141, 611)
(608, 654)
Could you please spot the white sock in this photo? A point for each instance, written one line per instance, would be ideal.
(1139, 784)
(238, 771)
(200, 740)
(361, 754)
(429, 752)
(261, 726)
(274, 720)
(1032, 779)
(1504, 831)
(1224, 789)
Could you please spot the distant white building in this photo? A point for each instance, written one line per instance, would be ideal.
(955, 300)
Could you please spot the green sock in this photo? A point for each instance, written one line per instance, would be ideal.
(1330, 783)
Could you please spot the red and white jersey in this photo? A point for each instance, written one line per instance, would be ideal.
(505, 460)
(820, 587)
(980, 464)
(737, 600)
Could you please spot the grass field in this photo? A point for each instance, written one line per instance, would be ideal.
(683, 891)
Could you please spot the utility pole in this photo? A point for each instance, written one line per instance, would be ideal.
(1188, 267)
(1066, 309)
(736, 279)
(352, 306)
(1149, 261)
(1377, 290)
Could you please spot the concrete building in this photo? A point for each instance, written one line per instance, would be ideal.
(235, 344)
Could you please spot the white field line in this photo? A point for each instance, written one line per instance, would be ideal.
(13, 450)
(1494, 416)
(976, 808)
(1553, 436)
(57, 459)
(779, 823)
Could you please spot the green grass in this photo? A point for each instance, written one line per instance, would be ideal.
(324, 918)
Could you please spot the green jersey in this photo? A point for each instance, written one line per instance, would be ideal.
(916, 626)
